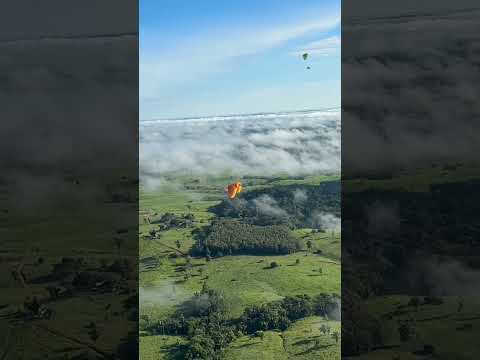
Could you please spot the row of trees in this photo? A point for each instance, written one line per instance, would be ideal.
(280, 314)
(227, 236)
(172, 221)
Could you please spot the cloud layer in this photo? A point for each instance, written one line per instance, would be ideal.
(409, 95)
(63, 118)
(266, 144)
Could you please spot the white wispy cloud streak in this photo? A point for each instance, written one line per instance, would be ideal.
(205, 54)
(323, 47)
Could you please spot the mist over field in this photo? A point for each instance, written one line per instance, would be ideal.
(161, 294)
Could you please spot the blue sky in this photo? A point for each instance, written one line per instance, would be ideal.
(215, 57)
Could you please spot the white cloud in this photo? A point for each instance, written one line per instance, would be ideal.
(382, 218)
(443, 277)
(164, 294)
(299, 196)
(327, 221)
(268, 206)
(296, 143)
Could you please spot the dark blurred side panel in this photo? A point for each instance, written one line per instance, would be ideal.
(68, 180)
(410, 180)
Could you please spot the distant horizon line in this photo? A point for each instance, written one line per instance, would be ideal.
(238, 114)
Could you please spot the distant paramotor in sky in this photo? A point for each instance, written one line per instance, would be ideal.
(305, 57)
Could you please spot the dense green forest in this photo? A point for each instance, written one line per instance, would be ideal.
(203, 320)
(414, 228)
(291, 205)
(227, 237)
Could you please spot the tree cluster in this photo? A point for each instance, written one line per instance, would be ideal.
(279, 315)
(227, 236)
(172, 221)
(203, 320)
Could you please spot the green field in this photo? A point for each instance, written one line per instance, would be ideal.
(243, 280)
(303, 340)
(160, 347)
(451, 332)
(37, 243)
(418, 180)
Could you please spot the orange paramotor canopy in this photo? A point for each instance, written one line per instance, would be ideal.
(234, 189)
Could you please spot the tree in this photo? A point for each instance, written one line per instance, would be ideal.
(428, 349)
(323, 329)
(297, 262)
(309, 244)
(273, 264)
(325, 304)
(201, 347)
(260, 334)
(335, 336)
(405, 332)
(415, 302)
(118, 243)
(179, 245)
(93, 333)
(264, 317)
(298, 306)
